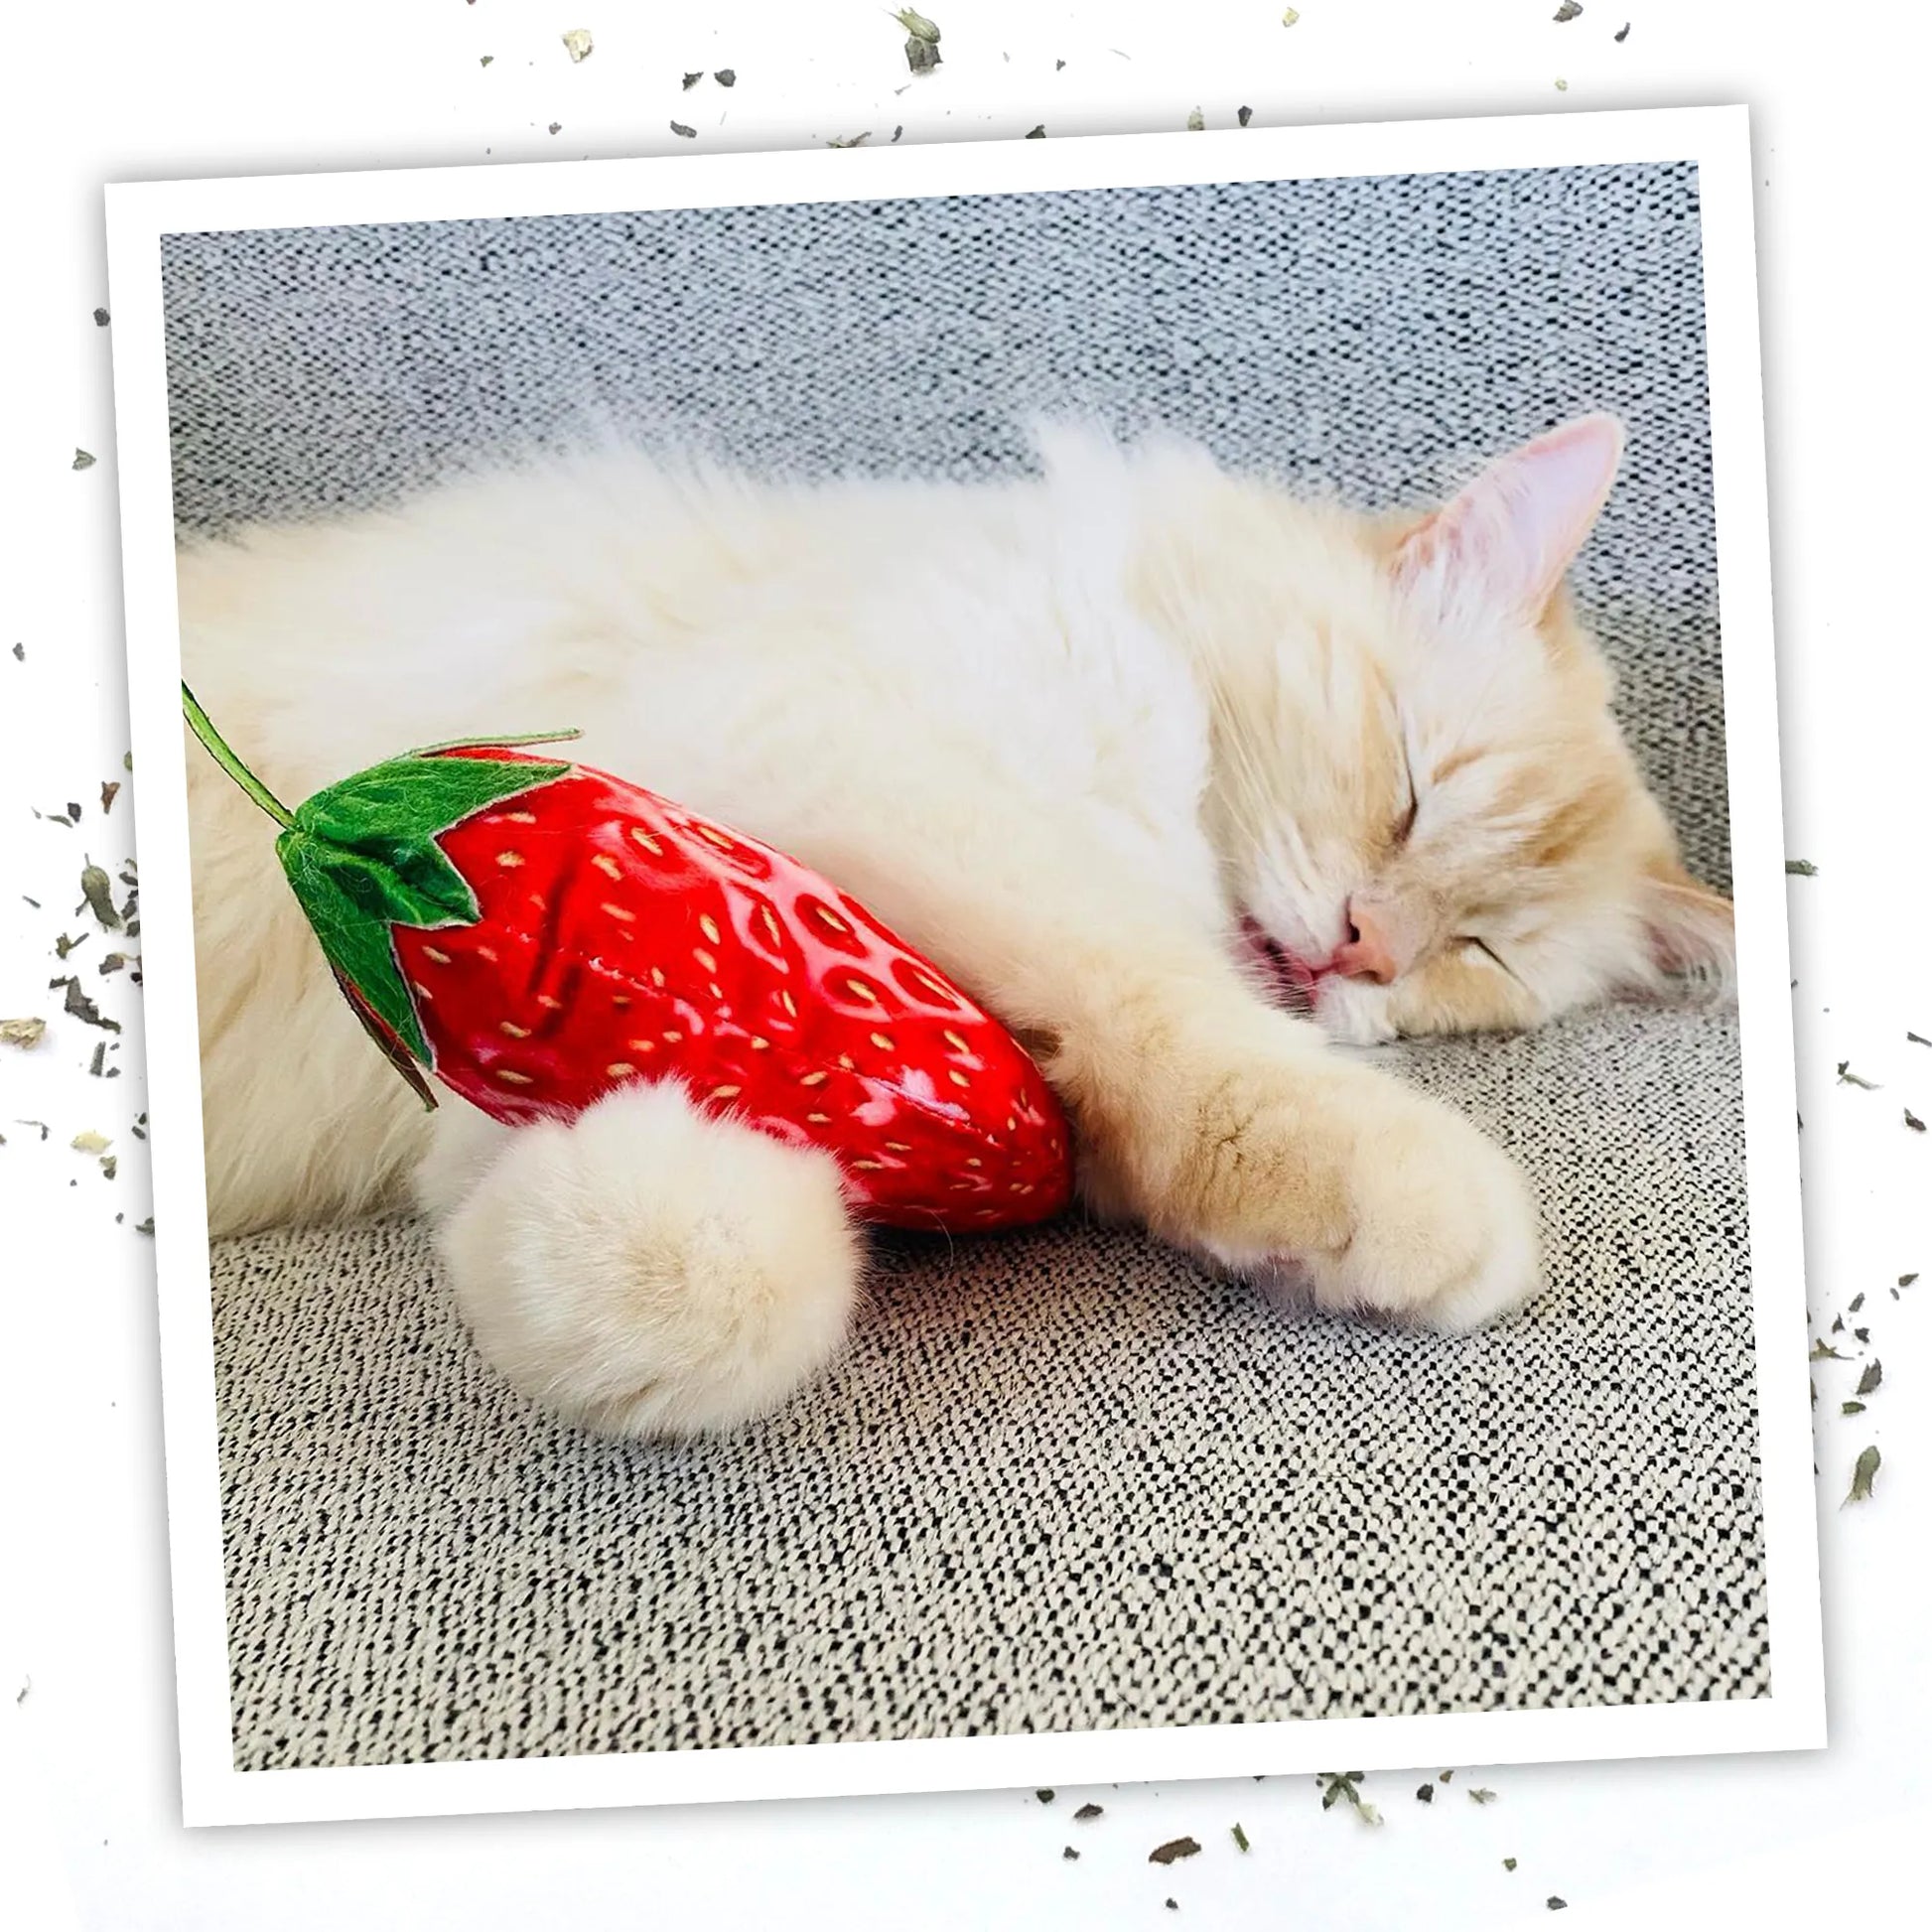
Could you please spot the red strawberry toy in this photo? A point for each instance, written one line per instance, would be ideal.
(535, 933)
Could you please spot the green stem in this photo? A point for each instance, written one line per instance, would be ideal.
(217, 750)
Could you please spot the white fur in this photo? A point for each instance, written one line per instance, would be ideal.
(1006, 716)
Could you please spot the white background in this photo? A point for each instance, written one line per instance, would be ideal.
(120, 91)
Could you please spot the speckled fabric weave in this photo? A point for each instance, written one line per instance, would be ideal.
(1063, 1480)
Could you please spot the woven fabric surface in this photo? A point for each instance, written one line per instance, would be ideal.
(1066, 1481)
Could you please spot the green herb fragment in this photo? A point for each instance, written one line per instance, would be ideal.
(1509, 1865)
(1044, 1795)
(850, 140)
(1068, 1852)
(99, 891)
(1344, 1786)
(1557, 1904)
(88, 1142)
(1622, 32)
(692, 79)
(1856, 1303)
(1801, 869)
(1036, 133)
(556, 127)
(1175, 1847)
(1838, 1325)
(1481, 1795)
(41, 1124)
(685, 133)
(1850, 1408)
(1289, 17)
(1823, 1351)
(1426, 1794)
(1195, 125)
(1918, 1039)
(1171, 1904)
(20, 657)
(1862, 1471)
(64, 944)
(1240, 1838)
(1905, 1281)
(1868, 1382)
(99, 1059)
(102, 317)
(109, 790)
(112, 962)
(1563, 87)
(726, 77)
(918, 26)
(1913, 1122)
(487, 58)
(1088, 1811)
(21, 1032)
(1863, 1336)
(1567, 11)
(1442, 1777)
(145, 1227)
(1244, 115)
(84, 1010)
(82, 460)
(1848, 1079)
(578, 44)
(109, 1166)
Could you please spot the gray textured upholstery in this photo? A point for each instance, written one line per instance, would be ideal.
(1063, 1480)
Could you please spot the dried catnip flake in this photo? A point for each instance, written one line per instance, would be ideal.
(1175, 1847)
(1239, 1836)
(1089, 1811)
(1874, 1373)
(848, 140)
(84, 1010)
(1481, 1795)
(88, 1142)
(145, 1227)
(688, 133)
(1509, 1865)
(1563, 87)
(109, 790)
(1913, 1122)
(109, 1166)
(20, 653)
(102, 317)
(21, 1032)
(1622, 32)
(487, 59)
(1850, 1408)
(1567, 11)
(1557, 1904)
(1426, 1794)
(692, 79)
(1068, 1852)
(726, 77)
(918, 26)
(1856, 1302)
(1036, 133)
(1918, 1039)
(1905, 1281)
(1044, 1794)
(1243, 116)
(1289, 17)
(99, 891)
(1862, 1471)
(1850, 1079)
(1801, 869)
(99, 1059)
(1823, 1351)
(112, 962)
(921, 56)
(1195, 125)
(578, 44)
(82, 460)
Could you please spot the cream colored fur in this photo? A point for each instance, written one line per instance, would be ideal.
(1062, 734)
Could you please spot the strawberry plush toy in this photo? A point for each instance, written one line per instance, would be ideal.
(535, 933)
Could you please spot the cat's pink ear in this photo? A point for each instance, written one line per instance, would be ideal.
(1502, 544)
(1688, 928)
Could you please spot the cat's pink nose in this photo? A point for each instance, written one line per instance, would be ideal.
(1365, 954)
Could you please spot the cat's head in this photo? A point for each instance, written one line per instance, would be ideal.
(1426, 816)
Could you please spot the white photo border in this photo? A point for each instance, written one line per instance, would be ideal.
(1717, 141)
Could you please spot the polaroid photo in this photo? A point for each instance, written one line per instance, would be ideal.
(1127, 1109)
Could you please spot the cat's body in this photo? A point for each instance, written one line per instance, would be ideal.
(1129, 751)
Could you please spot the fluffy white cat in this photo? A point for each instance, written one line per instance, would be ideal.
(1181, 776)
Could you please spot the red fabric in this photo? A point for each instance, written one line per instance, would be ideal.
(623, 938)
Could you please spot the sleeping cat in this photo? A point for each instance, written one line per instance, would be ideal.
(1181, 776)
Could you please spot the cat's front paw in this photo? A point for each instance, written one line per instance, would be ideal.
(1440, 1227)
